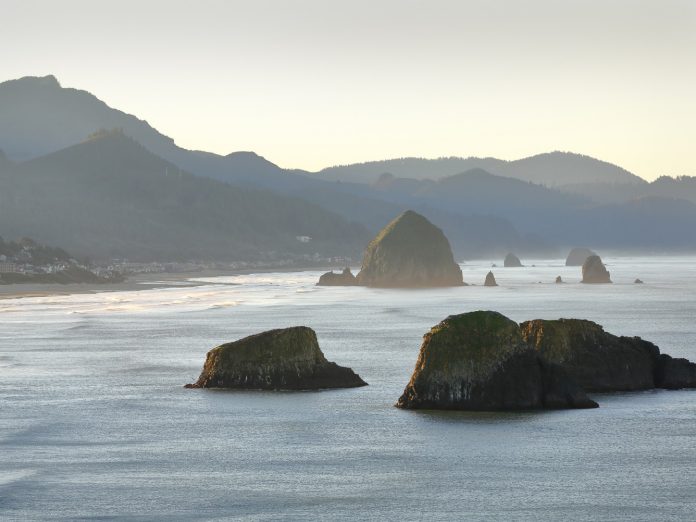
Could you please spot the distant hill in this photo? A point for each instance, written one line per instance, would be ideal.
(110, 197)
(552, 169)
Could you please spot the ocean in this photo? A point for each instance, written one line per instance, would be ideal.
(95, 423)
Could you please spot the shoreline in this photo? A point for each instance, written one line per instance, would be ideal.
(136, 282)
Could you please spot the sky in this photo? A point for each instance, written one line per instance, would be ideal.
(314, 83)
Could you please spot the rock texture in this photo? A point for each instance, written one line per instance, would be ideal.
(602, 362)
(577, 256)
(345, 278)
(484, 361)
(490, 280)
(284, 359)
(479, 361)
(409, 252)
(511, 260)
(594, 271)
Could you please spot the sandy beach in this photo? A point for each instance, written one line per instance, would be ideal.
(134, 282)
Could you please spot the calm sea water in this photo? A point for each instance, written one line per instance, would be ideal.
(95, 423)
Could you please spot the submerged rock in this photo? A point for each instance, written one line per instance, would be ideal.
(283, 359)
(490, 280)
(409, 252)
(479, 361)
(345, 278)
(559, 280)
(594, 271)
(577, 256)
(511, 260)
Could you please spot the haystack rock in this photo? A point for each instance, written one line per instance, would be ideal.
(490, 280)
(409, 252)
(602, 362)
(345, 278)
(283, 359)
(511, 260)
(479, 361)
(594, 271)
(577, 256)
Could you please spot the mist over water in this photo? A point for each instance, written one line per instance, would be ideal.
(94, 421)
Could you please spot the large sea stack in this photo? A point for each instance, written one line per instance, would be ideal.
(409, 252)
(479, 361)
(511, 260)
(594, 271)
(283, 359)
(577, 256)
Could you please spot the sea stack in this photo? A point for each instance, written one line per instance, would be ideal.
(602, 362)
(283, 359)
(577, 256)
(559, 280)
(409, 252)
(479, 361)
(594, 271)
(638, 282)
(511, 260)
(490, 280)
(345, 278)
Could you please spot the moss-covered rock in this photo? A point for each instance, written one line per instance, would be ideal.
(479, 361)
(594, 271)
(345, 278)
(283, 359)
(409, 252)
(597, 360)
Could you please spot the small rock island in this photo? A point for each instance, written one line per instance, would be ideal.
(282, 359)
(484, 361)
(479, 361)
(410, 252)
(577, 256)
(345, 278)
(594, 271)
(490, 280)
(511, 260)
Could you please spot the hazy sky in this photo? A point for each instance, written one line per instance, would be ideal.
(314, 83)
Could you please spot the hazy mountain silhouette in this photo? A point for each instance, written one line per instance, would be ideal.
(553, 169)
(484, 205)
(111, 197)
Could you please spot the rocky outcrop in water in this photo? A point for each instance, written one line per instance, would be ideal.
(602, 362)
(484, 361)
(283, 359)
(490, 280)
(577, 256)
(345, 278)
(559, 280)
(479, 361)
(638, 282)
(594, 271)
(409, 252)
(511, 260)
